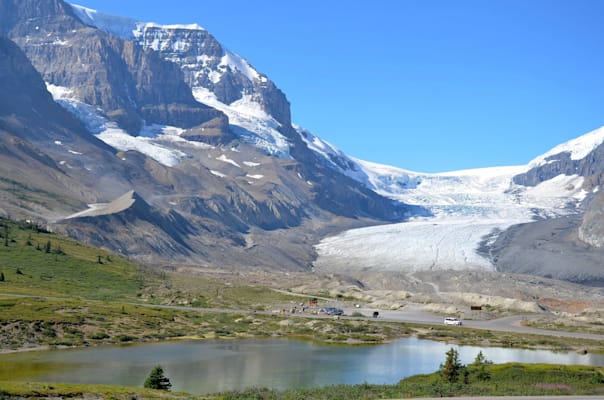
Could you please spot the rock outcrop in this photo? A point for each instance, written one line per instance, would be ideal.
(591, 230)
(591, 167)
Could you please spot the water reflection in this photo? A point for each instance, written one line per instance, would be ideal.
(213, 366)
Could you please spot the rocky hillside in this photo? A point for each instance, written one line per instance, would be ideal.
(591, 230)
(36, 137)
(570, 247)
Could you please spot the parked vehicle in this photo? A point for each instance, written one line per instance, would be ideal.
(452, 321)
(332, 311)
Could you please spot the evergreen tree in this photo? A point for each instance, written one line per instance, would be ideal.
(1, 276)
(452, 369)
(157, 380)
(48, 247)
(479, 367)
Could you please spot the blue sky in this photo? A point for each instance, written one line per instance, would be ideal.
(427, 85)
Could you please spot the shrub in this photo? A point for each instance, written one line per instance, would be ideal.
(479, 369)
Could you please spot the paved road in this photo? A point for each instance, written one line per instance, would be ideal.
(505, 324)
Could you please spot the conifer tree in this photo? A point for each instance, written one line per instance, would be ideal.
(480, 367)
(452, 368)
(157, 380)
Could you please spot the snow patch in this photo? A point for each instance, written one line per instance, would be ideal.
(563, 187)
(60, 92)
(251, 163)
(217, 173)
(225, 159)
(121, 140)
(92, 209)
(258, 176)
(110, 133)
(250, 122)
(121, 27)
(238, 63)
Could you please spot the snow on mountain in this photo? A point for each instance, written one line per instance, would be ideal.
(468, 209)
(147, 143)
(207, 65)
(250, 122)
(578, 148)
(122, 27)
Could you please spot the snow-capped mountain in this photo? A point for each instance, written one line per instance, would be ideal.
(192, 132)
(470, 209)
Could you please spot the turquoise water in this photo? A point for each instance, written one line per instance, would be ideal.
(214, 366)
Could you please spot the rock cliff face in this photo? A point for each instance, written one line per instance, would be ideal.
(24, 98)
(208, 65)
(36, 135)
(204, 61)
(591, 230)
(591, 167)
(229, 80)
(131, 85)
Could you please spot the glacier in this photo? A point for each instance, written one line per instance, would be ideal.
(468, 209)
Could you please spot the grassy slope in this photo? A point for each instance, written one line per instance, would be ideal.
(35, 262)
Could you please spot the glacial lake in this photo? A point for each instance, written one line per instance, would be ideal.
(218, 365)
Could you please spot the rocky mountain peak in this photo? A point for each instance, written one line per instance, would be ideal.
(206, 64)
(27, 17)
(132, 86)
(582, 156)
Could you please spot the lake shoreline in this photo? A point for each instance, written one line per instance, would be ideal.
(213, 366)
